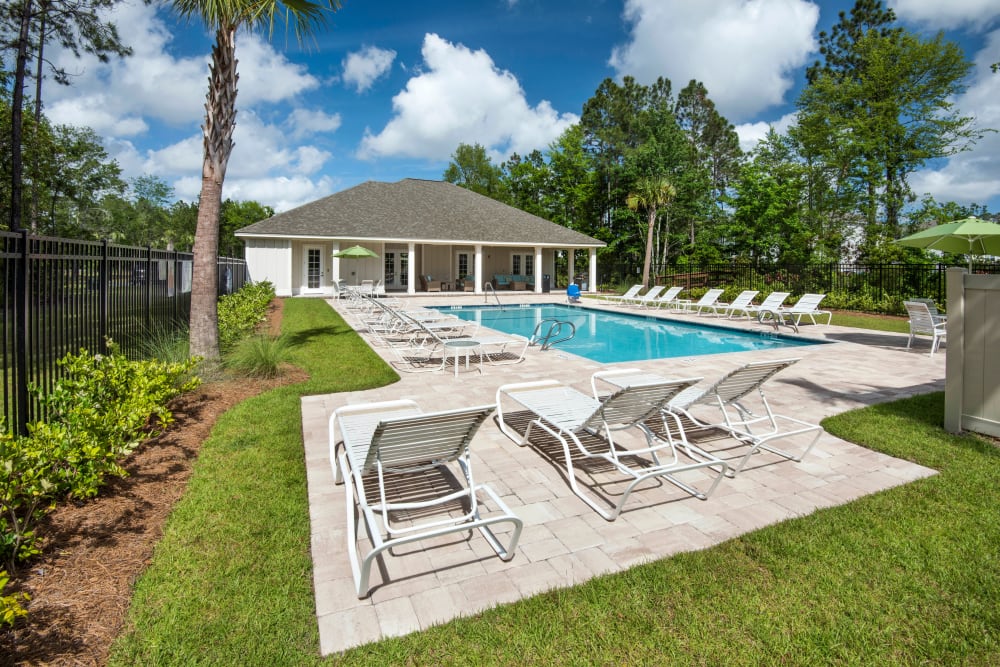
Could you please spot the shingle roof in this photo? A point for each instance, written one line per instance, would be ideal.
(417, 210)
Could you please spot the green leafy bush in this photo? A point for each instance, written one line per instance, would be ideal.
(10, 606)
(98, 413)
(242, 311)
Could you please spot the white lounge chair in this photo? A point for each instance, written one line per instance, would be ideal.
(629, 293)
(667, 298)
(584, 425)
(428, 350)
(808, 304)
(706, 302)
(396, 464)
(647, 298)
(739, 304)
(771, 304)
(756, 426)
(922, 323)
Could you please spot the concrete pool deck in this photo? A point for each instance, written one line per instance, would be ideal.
(564, 542)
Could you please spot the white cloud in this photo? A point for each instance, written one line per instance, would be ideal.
(149, 107)
(281, 193)
(950, 14)
(744, 51)
(462, 97)
(303, 123)
(973, 176)
(363, 68)
(752, 133)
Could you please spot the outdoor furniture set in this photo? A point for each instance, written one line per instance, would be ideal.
(408, 473)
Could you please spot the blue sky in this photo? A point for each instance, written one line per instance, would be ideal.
(389, 89)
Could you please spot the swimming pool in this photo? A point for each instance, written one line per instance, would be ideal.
(612, 337)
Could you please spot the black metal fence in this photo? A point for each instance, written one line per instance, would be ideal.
(61, 296)
(880, 283)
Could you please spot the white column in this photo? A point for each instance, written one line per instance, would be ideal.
(570, 265)
(538, 270)
(335, 261)
(477, 264)
(593, 270)
(411, 273)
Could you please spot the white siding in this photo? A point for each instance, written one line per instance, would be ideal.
(271, 259)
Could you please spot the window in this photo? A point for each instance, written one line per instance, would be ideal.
(527, 261)
(463, 264)
(404, 268)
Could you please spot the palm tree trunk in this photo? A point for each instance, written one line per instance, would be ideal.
(649, 246)
(220, 121)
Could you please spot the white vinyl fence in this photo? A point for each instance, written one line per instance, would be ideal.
(972, 367)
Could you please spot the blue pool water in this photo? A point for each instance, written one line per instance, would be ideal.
(612, 337)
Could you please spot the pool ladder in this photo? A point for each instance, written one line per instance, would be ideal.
(487, 289)
(553, 334)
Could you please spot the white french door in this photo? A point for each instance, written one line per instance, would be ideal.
(312, 269)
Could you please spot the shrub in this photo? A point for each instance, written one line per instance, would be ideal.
(10, 607)
(242, 311)
(170, 344)
(99, 412)
(260, 356)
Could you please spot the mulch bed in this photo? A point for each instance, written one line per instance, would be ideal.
(94, 551)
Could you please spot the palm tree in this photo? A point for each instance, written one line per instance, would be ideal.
(226, 17)
(651, 193)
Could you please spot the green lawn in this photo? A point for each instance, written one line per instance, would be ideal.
(905, 576)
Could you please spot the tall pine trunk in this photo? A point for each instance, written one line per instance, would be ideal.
(220, 121)
(16, 117)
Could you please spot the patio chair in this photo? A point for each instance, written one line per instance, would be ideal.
(936, 315)
(629, 293)
(808, 304)
(757, 426)
(706, 302)
(428, 284)
(647, 298)
(922, 323)
(771, 303)
(584, 428)
(397, 464)
(739, 304)
(666, 297)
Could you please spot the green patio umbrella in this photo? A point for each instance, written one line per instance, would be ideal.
(970, 236)
(356, 252)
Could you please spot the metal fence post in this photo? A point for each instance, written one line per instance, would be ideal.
(21, 274)
(149, 289)
(102, 295)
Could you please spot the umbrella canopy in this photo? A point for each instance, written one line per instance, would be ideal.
(356, 252)
(970, 236)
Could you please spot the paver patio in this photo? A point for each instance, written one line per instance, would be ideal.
(564, 542)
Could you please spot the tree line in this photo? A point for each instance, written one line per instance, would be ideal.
(660, 177)
(81, 26)
(73, 189)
